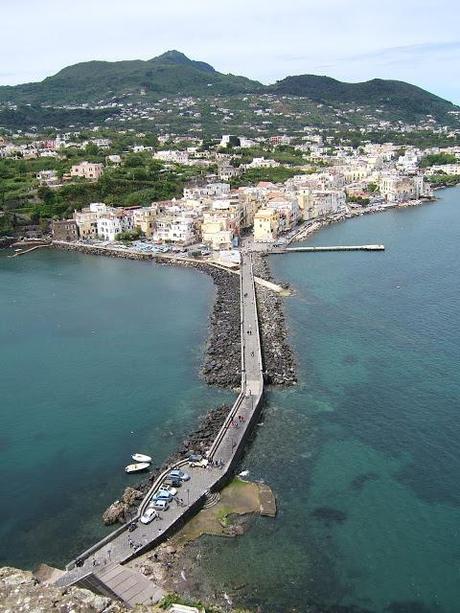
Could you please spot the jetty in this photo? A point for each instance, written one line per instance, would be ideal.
(34, 248)
(279, 250)
(91, 568)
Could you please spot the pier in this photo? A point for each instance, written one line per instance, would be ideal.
(122, 545)
(280, 250)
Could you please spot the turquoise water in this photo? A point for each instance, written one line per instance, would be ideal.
(99, 359)
(364, 455)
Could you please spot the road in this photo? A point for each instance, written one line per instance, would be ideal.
(225, 450)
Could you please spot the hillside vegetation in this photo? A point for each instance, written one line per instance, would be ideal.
(404, 99)
(169, 74)
(136, 84)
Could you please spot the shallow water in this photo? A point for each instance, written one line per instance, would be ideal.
(364, 455)
(99, 359)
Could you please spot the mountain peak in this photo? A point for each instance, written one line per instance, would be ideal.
(180, 59)
(177, 57)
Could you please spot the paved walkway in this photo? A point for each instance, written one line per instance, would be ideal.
(224, 450)
(125, 584)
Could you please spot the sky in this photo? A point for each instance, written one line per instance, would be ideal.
(351, 40)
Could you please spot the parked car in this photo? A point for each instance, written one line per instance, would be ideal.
(200, 463)
(160, 505)
(169, 488)
(162, 495)
(149, 515)
(194, 457)
(179, 474)
(174, 481)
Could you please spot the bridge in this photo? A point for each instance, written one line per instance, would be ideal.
(99, 566)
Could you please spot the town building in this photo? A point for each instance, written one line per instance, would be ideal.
(48, 178)
(144, 219)
(215, 231)
(266, 223)
(65, 230)
(399, 188)
(87, 170)
(171, 228)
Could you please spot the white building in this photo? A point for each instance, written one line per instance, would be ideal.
(175, 157)
(175, 229)
(113, 222)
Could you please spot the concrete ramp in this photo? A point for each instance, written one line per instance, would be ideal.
(123, 583)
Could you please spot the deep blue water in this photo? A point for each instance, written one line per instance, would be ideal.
(363, 455)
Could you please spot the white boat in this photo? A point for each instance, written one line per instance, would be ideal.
(136, 468)
(140, 457)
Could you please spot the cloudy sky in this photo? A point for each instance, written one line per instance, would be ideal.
(352, 40)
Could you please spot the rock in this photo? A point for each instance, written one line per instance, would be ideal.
(21, 591)
(115, 513)
(131, 496)
(278, 359)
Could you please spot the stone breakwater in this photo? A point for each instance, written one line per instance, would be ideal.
(222, 361)
(123, 510)
(278, 358)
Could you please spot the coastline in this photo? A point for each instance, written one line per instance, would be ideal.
(264, 259)
(221, 363)
(310, 227)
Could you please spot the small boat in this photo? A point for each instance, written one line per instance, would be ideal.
(137, 468)
(140, 457)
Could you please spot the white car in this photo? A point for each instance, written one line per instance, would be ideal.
(161, 505)
(149, 515)
(199, 463)
(169, 488)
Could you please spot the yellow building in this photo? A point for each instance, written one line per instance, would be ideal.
(86, 221)
(215, 231)
(266, 223)
(306, 206)
(145, 220)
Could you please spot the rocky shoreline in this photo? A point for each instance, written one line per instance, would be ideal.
(278, 358)
(222, 357)
(124, 509)
(307, 230)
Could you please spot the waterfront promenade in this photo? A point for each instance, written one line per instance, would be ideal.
(123, 544)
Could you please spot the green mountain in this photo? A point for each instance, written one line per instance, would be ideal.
(169, 74)
(395, 96)
(174, 74)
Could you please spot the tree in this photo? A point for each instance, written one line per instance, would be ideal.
(129, 235)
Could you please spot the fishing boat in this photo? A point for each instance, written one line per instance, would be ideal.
(140, 457)
(137, 468)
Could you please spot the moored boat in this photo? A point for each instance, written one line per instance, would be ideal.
(136, 468)
(140, 457)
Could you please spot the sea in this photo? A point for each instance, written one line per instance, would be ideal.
(99, 358)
